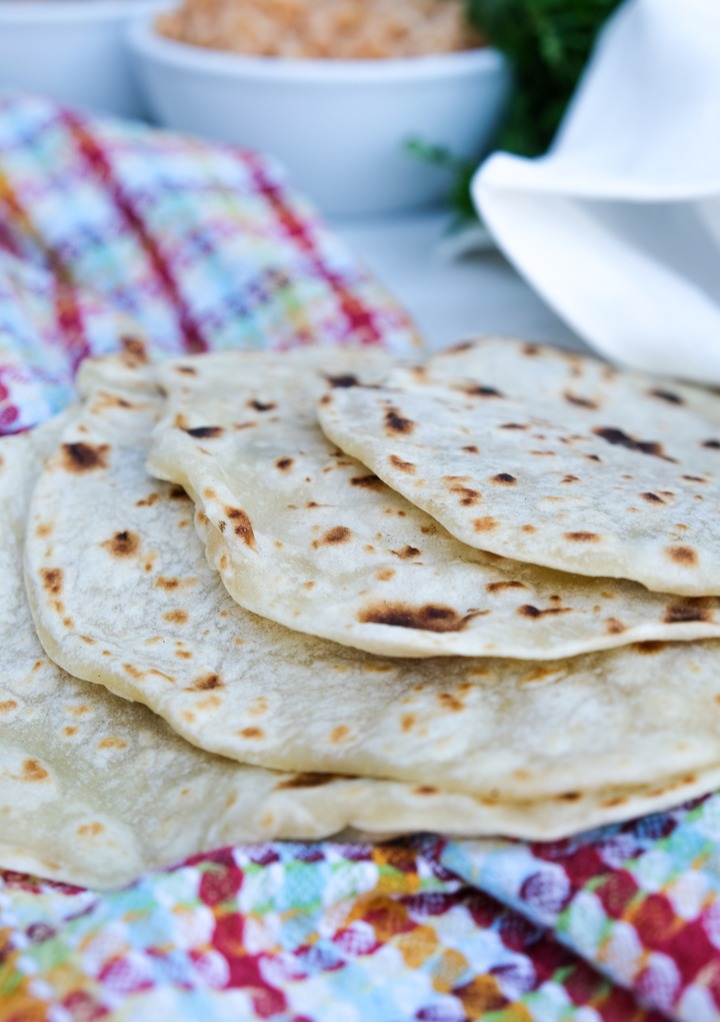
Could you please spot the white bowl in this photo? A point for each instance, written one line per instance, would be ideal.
(72, 50)
(340, 127)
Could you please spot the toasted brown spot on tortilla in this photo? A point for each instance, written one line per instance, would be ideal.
(500, 587)
(308, 780)
(527, 610)
(177, 493)
(467, 496)
(122, 544)
(368, 482)
(408, 721)
(581, 402)
(395, 423)
(649, 648)
(667, 395)
(569, 796)
(339, 734)
(186, 370)
(243, 526)
(133, 671)
(504, 479)
(90, 829)
(177, 617)
(7, 705)
(570, 479)
(531, 350)
(284, 464)
(471, 449)
(486, 524)
(582, 537)
(167, 583)
(714, 445)
(689, 609)
(428, 618)
(162, 674)
(406, 552)
(540, 673)
(338, 534)
(450, 702)
(652, 498)
(425, 789)
(112, 742)
(343, 380)
(252, 732)
(402, 466)
(205, 432)
(34, 771)
(477, 390)
(617, 437)
(52, 579)
(260, 406)
(514, 425)
(613, 626)
(69, 731)
(82, 457)
(695, 479)
(685, 555)
(44, 529)
(206, 682)
(152, 498)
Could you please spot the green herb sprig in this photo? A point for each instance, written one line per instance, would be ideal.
(548, 43)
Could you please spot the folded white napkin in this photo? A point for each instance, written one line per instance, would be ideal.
(618, 225)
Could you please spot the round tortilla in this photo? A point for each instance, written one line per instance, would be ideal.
(572, 464)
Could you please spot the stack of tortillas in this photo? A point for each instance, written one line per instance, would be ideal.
(474, 596)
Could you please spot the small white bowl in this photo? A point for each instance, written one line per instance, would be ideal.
(340, 126)
(72, 50)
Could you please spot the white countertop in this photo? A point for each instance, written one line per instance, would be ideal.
(451, 299)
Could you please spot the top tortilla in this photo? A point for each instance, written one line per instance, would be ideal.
(550, 458)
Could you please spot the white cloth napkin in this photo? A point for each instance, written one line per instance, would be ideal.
(618, 225)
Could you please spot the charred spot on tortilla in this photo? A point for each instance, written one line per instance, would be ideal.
(427, 618)
(83, 457)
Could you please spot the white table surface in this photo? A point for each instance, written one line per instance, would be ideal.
(451, 299)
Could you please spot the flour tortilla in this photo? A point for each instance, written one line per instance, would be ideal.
(575, 465)
(141, 612)
(304, 535)
(95, 790)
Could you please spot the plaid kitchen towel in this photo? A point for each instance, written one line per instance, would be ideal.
(111, 232)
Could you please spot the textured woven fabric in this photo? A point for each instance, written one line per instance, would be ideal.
(112, 232)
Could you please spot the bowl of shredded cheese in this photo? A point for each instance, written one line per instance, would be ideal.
(338, 90)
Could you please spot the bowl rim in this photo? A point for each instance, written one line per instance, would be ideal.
(28, 13)
(148, 44)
